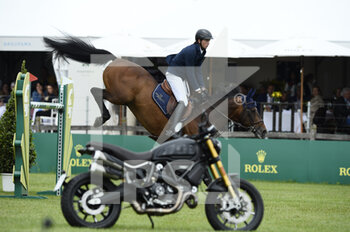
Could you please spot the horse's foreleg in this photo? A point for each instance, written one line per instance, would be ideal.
(99, 95)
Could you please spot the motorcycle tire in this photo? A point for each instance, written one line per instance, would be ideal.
(246, 218)
(77, 211)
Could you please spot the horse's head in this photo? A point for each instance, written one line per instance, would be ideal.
(243, 111)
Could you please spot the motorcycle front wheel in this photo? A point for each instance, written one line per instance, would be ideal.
(76, 209)
(223, 215)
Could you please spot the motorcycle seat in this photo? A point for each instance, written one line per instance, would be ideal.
(119, 152)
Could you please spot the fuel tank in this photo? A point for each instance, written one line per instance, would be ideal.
(181, 148)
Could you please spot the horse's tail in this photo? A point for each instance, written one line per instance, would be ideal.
(76, 49)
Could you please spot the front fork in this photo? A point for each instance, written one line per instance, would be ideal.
(221, 168)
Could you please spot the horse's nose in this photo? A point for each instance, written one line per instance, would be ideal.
(260, 133)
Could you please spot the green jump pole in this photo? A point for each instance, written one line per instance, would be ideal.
(64, 136)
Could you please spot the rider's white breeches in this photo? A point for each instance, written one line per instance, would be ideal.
(179, 87)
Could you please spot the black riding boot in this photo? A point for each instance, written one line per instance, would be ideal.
(175, 125)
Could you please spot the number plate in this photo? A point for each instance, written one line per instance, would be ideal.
(60, 182)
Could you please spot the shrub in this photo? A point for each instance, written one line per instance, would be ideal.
(7, 131)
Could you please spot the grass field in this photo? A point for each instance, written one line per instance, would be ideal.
(288, 207)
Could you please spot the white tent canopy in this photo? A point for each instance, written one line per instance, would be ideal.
(224, 46)
(300, 47)
(128, 45)
(245, 21)
(221, 46)
(166, 19)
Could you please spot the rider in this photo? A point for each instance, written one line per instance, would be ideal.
(184, 70)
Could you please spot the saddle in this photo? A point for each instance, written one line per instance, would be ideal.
(163, 96)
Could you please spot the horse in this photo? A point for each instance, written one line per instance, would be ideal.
(127, 83)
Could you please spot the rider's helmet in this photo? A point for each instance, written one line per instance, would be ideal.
(203, 34)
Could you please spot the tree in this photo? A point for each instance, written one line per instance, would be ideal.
(7, 131)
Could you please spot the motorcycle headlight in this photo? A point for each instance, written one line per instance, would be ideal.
(217, 145)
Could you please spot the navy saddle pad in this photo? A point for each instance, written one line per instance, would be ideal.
(161, 98)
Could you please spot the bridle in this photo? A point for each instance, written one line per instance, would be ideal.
(248, 112)
(249, 107)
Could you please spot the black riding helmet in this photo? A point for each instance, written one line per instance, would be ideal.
(203, 34)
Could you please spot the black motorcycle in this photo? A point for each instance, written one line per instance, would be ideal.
(160, 182)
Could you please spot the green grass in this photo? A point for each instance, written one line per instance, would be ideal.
(288, 207)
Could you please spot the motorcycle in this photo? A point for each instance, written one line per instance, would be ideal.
(160, 182)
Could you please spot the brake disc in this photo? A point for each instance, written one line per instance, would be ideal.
(90, 209)
(240, 214)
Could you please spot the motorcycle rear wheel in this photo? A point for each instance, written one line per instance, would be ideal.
(78, 212)
(248, 217)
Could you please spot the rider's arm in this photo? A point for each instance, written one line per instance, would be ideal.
(191, 71)
(199, 77)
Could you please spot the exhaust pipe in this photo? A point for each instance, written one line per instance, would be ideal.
(108, 160)
(109, 172)
(181, 198)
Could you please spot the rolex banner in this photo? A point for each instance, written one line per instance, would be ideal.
(291, 160)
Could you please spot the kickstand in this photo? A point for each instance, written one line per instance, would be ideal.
(149, 216)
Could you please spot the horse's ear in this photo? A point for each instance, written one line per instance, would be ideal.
(249, 93)
(252, 92)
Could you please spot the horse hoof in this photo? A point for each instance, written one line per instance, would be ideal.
(98, 122)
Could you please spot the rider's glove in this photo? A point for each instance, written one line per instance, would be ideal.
(203, 89)
(200, 96)
(204, 96)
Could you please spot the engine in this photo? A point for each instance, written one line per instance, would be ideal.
(160, 195)
(166, 193)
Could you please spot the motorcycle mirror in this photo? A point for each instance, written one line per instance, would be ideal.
(204, 121)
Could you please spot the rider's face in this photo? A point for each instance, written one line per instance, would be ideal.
(204, 43)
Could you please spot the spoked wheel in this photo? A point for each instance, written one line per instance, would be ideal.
(78, 212)
(223, 214)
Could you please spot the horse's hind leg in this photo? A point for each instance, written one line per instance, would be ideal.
(99, 95)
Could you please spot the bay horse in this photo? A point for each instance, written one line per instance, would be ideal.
(127, 83)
